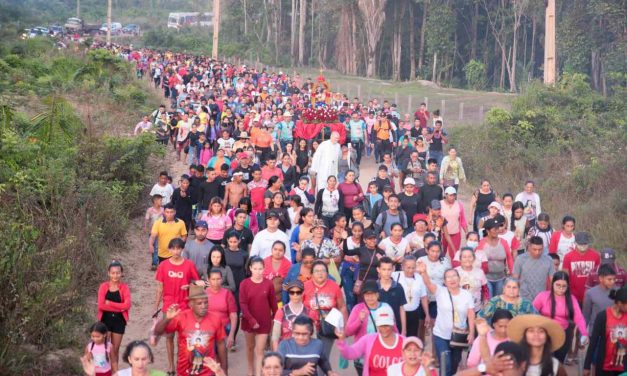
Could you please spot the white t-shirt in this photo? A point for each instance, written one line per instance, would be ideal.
(480, 257)
(444, 322)
(435, 270)
(393, 250)
(262, 244)
(397, 370)
(472, 281)
(564, 246)
(415, 241)
(165, 191)
(414, 289)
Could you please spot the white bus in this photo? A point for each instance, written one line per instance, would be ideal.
(185, 19)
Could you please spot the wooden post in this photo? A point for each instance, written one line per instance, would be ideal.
(409, 109)
(216, 28)
(461, 111)
(359, 92)
(427, 101)
(549, 43)
(443, 107)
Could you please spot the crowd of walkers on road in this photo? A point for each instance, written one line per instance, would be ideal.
(274, 232)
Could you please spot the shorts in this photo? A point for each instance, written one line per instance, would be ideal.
(108, 373)
(114, 321)
(433, 311)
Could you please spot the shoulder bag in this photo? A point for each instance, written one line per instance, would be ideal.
(360, 282)
(459, 337)
(326, 330)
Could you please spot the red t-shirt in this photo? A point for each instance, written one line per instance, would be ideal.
(174, 277)
(267, 172)
(579, 265)
(222, 303)
(381, 356)
(615, 341)
(286, 317)
(196, 340)
(328, 295)
(270, 273)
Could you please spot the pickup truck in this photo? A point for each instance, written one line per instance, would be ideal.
(76, 25)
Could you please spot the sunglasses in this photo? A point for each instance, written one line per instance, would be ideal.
(295, 292)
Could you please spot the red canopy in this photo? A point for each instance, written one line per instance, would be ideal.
(309, 131)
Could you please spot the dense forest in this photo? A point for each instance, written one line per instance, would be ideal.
(480, 44)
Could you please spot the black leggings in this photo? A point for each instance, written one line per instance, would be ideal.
(561, 353)
(413, 322)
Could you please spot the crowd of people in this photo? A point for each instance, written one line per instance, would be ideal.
(281, 235)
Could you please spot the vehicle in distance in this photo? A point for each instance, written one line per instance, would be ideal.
(75, 25)
(56, 30)
(186, 19)
(116, 28)
(131, 29)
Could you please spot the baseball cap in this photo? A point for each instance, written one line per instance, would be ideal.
(582, 238)
(384, 316)
(450, 191)
(294, 284)
(415, 340)
(202, 224)
(368, 234)
(238, 173)
(369, 286)
(388, 188)
(608, 256)
(491, 223)
(409, 181)
(419, 217)
(496, 205)
(272, 214)
(242, 155)
(435, 205)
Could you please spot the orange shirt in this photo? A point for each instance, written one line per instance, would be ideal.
(383, 128)
(261, 138)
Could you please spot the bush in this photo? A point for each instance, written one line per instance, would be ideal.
(569, 139)
(476, 75)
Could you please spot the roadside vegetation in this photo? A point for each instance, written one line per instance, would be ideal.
(572, 141)
(67, 189)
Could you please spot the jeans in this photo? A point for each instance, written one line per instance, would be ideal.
(347, 273)
(452, 355)
(495, 287)
(437, 155)
(327, 345)
(358, 145)
(155, 253)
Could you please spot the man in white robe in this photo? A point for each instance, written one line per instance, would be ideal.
(326, 160)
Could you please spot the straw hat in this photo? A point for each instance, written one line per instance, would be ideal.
(518, 325)
(196, 292)
(318, 223)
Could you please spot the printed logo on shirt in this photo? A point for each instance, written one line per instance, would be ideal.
(582, 268)
(173, 274)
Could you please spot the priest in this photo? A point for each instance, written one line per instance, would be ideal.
(326, 160)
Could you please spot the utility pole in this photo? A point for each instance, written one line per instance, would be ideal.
(216, 28)
(78, 8)
(109, 23)
(549, 44)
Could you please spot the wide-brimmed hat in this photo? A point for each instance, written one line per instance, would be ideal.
(243, 135)
(318, 223)
(519, 324)
(196, 292)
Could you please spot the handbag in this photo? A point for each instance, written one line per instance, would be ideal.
(326, 330)
(359, 282)
(459, 337)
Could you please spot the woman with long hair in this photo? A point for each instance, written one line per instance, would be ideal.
(302, 232)
(258, 304)
(329, 200)
(217, 260)
(217, 221)
(251, 216)
(563, 308)
(277, 205)
(350, 264)
(114, 303)
(519, 224)
(480, 201)
(303, 159)
(276, 267)
(540, 337)
(563, 241)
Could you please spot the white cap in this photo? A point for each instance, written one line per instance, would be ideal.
(287, 113)
(496, 205)
(384, 316)
(450, 191)
(409, 180)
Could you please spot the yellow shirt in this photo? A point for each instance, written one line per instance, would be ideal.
(166, 231)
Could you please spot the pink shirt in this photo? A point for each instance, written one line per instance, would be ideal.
(474, 357)
(542, 304)
(217, 225)
(222, 303)
(454, 215)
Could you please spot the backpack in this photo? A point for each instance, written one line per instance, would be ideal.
(402, 216)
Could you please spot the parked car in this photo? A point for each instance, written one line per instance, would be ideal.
(75, 25)
(56, 30)
(131, 29)
(37, 31)
(116, 28)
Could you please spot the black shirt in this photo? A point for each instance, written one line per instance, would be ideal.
(427, 194)
(409, 204)
(248, 173)
(395, 297)
(365, 257)
(209, 190)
